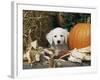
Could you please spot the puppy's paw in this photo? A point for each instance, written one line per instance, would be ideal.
(72, 59)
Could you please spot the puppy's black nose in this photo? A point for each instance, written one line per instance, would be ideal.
(58, 41)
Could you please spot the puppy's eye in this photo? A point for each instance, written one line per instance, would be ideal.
(55, 36)
(61, 35)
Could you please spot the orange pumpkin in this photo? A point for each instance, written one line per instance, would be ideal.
(80, 36)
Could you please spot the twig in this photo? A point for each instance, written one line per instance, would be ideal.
(65, 55)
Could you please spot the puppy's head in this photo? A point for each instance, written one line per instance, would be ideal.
(57, 36)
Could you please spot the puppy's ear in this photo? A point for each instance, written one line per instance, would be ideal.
(66, 34)
(49, 37)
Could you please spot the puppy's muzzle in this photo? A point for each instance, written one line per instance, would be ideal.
(58, 42)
